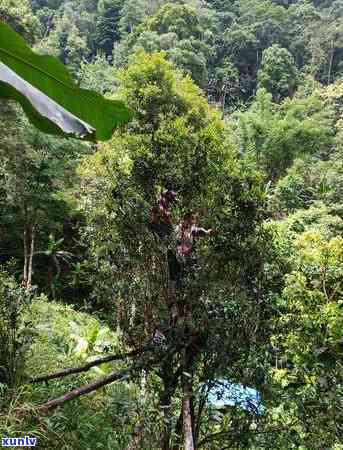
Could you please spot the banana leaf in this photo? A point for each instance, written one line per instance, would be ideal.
(48, 95)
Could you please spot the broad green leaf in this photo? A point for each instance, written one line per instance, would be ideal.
(53, 103)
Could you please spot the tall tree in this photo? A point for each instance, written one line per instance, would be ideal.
(173, 143)
(107, 28)
(278, 74)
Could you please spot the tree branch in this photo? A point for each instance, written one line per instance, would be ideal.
(84, 389)
(65, 372)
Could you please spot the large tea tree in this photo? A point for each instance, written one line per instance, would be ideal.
(177, 141)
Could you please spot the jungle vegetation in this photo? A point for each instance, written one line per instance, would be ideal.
(238, 110)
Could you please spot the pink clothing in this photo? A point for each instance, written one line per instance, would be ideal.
(186, 238)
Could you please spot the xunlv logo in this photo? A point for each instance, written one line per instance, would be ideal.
(26, 441)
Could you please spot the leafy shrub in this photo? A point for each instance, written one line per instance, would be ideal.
(16, 333)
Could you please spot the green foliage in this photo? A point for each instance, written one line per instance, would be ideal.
(262, 305)
(326, 44)
(183, 32)
(173, 139)
(132, 13)
(99, 76)
(50, 78)
(36, 172)
(71, 35)
(309, 180)
(65, 338)
(177, 141)
(278, 74)
(173, 119)
(318, 217)
(197, 36)
(309, 377)
(16, 332)
(107, 25)
(19, 15)
(277, 134)
(224, 85)
(255, 26)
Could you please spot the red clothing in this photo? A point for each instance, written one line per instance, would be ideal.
(161, 213)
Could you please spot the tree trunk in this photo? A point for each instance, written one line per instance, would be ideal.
(25, 257)
(30, 256)
(331, 62)
(166, 432)
(82, 390)
(178, 432)
(223, 100)
(170, 381)
(187, 416)
(201, 406)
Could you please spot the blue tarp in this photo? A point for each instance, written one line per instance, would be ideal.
(223, 393)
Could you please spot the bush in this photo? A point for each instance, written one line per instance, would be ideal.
(16, 332)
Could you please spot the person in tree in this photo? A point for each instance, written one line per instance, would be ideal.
(184, 257)
(158, 337)
(160, 215)
(187, 233)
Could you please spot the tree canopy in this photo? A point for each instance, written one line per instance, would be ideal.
(175, 282)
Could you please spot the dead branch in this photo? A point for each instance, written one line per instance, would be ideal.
(65, 372)
(84, 389)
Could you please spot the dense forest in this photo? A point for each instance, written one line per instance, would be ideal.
(180, 285)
